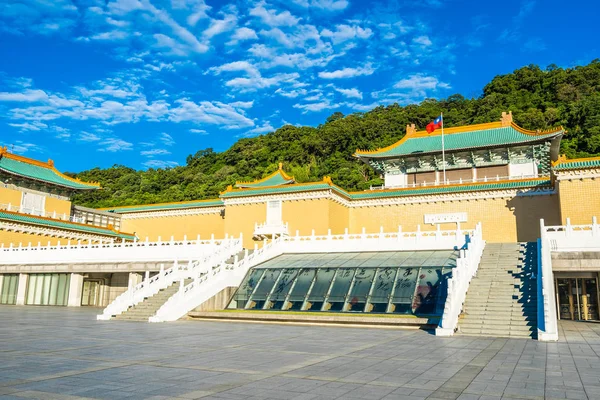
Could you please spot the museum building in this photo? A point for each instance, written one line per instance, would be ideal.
(495, 175)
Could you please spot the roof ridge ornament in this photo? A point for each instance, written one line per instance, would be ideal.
(506, 119)
(411, 129)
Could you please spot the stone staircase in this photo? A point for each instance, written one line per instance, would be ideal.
(502, 298)
(147, 308)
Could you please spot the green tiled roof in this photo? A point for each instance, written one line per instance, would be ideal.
(516, 184)
(458, 141)
(577, 164)
(519, 184)
(275, 179)
(33, 220)
(40, 173)
(166, 206)
(277, 189)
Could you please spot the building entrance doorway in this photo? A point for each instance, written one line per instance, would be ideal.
(577, 298)
(90, 295)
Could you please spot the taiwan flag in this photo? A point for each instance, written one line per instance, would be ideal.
(435, 124)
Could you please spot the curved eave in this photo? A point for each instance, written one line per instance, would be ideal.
(165, 206)
(81, 185)
(529, 137)
(468, 187)
(562, 164)
(265, 182)
(64, 225)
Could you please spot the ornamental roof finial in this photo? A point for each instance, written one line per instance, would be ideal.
(506, 119)
(410, 129)
(280, 166)
(50, 162)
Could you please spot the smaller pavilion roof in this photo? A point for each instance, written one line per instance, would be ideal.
(488, 135)
(562, 164)
(277, 178)
(40, 171)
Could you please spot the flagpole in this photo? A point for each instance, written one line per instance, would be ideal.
(443, 149)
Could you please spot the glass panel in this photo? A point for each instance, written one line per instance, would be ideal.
(282, 288)
(47, 279)
(85, 294)
(565, 299)
(382, 289)
(404, 290)
(339, 289)
(257, 301)
(67, 280)
(320, 288)
(53, 289)
(301, 288)
(10, 285)
(427, 298)
(242, 295)
(363, 280)
(591, 298)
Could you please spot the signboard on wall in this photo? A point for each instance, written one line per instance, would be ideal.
(445, 218)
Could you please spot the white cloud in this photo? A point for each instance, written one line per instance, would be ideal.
(154, 152)
(160, 164)
(316, 107)
(348, 72)
(114, 145)
(344, 33)
(218, 26)
(350, 93)
(210, 113)
(419, 82)
(264, 128)
(29, 126)
(26, 96)
(423, 41)
(242, 34)
(242, 104)
(88, 137)
(166, 139)
(291, 94)
(20, 147)
(199, 131)
(328, 5)
(270, 16)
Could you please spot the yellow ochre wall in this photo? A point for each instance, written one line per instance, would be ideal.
(6, 238)
(339, 217)
(305, 215)
(10, 196)
(241, 218)
(14, 197)
(176, 226)
(503, 220)
(59, 206)
(579, 200)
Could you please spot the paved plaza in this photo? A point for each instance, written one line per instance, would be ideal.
(64, 353)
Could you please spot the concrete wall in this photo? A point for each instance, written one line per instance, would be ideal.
(339, 217)
(218, 302)
(57, 205)
(241, 218)
(6, 238)
(576, 261)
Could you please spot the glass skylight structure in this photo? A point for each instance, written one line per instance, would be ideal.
(407, 282)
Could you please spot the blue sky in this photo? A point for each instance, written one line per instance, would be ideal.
(146, 82)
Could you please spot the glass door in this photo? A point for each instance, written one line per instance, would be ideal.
(577, 298)
(90, 293)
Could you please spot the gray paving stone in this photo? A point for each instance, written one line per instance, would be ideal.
(66, 354)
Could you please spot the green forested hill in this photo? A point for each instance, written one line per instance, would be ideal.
(538, 98)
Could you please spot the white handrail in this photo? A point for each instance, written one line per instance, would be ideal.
(151, 285)
(206, 286)
(547, 319)
(78, 252)
(210, 284)
(466, 268)
(573, 237)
